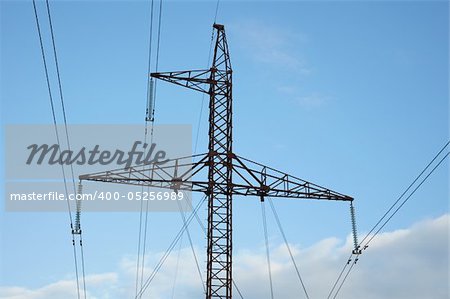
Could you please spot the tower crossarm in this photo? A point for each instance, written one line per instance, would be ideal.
(175, 174)
(249, 179)
(253, 178)
(196, 79)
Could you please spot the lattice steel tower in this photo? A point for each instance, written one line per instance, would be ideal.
(228, 174)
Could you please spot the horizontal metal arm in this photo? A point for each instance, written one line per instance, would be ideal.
(249, 179)
(175, 174)
(195, 79)
(266, 181)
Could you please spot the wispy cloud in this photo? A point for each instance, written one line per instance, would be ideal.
(311, 101)
(306, 101)
(410, 263)
(280, 49)
(269, 44)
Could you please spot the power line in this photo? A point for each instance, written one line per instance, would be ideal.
(150, 38)
(406, 200)
(404, 192)
(76, 267)
(50, 97)
(203, 95)
(201, 111)
(60, 88)
(183, 218)
(345, 278)
(169, 249)
(205, 233)
(370, 236)
(157, 51)
(277, 219)
(339, 277)
(266, 239)
(139, 249)
(217, 11)
(55, 55)
(166, 254)
(82, 265)
(150, 112)
(144, 246)
(237, 289)
(176, 269)
(56, 129)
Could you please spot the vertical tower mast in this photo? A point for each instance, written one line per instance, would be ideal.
(218, 80)
(220, 155)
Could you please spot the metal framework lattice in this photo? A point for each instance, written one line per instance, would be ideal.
(227, 173)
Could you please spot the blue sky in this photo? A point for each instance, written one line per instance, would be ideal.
(350, 95)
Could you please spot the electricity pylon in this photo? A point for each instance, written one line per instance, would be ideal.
(228, 173)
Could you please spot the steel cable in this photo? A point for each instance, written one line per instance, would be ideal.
(266, 239)
(371, 236)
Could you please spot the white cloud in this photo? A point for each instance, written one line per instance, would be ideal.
(98, 286)
(408, 263)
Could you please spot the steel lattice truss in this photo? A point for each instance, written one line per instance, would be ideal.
(250, 178)
(226, 174)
